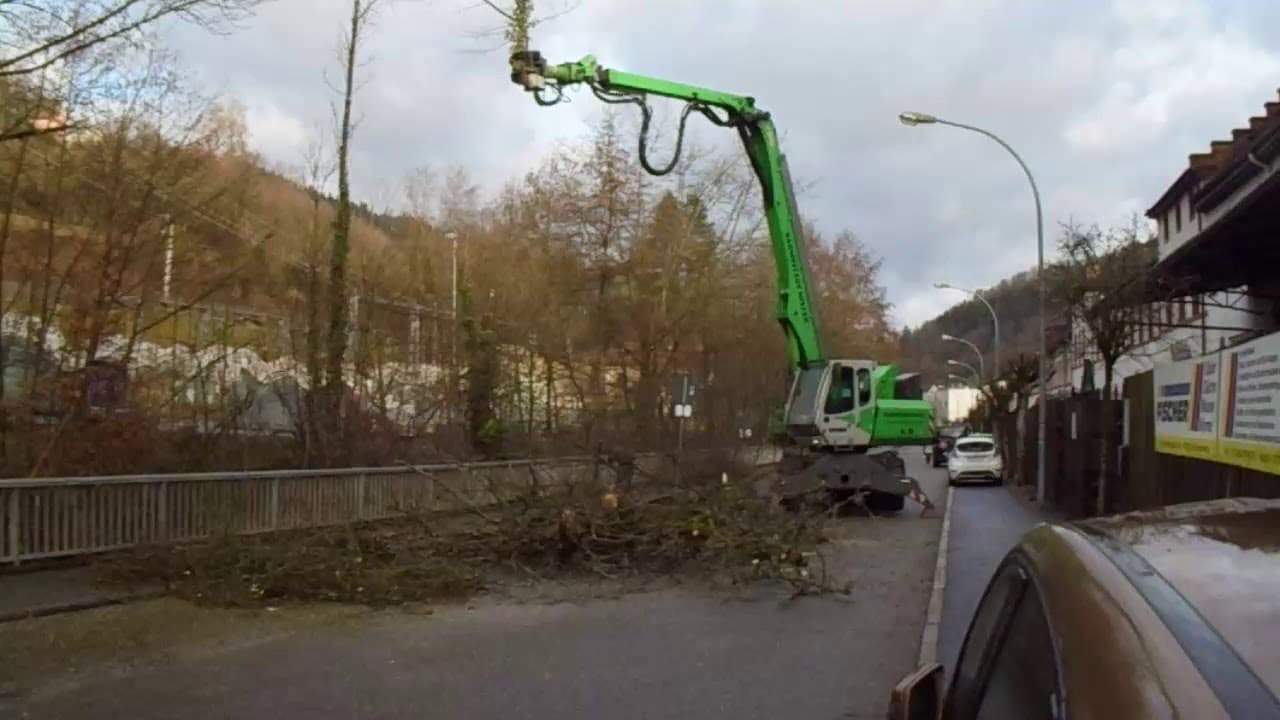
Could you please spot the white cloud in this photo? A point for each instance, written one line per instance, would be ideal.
(275, 133)
(924, 306)
(1175, 61)
(1103, 98)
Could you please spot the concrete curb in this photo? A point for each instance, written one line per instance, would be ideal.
(66, 607)
(933, 620)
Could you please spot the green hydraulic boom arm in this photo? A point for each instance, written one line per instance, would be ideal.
(841, 436)
(796, 310)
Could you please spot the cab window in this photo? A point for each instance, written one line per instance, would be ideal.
(840, 396)
(864, 387)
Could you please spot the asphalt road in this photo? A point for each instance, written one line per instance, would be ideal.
(676, 652)
(986, 522)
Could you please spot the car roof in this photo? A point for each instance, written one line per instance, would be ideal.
(1164, 613)
(976, 436)
(1223, 557)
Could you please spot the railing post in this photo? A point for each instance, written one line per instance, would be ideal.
(464, 472)
(14, 535)
(162, 508)
(275, 503)
(360, 486)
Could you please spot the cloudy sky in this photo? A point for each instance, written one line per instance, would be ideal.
(1103, 98)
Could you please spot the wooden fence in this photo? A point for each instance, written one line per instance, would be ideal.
(1137, 476)
(1073, 450)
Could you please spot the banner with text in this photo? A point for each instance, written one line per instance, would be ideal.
(1223, 407)
(1186, 405)
(1251, 399)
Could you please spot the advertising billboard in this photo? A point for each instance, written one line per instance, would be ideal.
(1251, 406)
(1223, 407)
(1186, 407)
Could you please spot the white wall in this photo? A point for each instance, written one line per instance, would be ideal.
(951, 404)
(1228, 310)
(1169, 235)
(961, 402)
(1194, 224)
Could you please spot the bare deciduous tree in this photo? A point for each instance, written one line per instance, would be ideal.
(81, 37)
(361, 14)
(1100, 283)
(38, 35)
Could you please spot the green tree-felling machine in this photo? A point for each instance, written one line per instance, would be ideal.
(845, 418)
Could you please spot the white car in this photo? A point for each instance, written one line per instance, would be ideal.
(975, 458)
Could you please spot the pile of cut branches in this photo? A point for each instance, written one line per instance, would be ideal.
(710, 525)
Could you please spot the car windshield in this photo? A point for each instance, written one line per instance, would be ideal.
(975, 447)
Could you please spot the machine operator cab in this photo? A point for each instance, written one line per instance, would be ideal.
(833, 404)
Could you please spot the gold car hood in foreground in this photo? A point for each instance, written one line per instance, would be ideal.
(1223, 556)
(1165, 614)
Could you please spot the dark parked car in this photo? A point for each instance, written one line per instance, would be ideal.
(1165, 614)
(944, 441)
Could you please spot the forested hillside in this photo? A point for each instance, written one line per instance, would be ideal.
(1015, 301)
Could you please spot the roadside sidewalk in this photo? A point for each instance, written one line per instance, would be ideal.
(46, 592)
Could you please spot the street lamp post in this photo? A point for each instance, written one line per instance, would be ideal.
(957, 363)
(995, 321)
(981, 363)
(913, 119)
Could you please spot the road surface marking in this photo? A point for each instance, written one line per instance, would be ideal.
(929, 638)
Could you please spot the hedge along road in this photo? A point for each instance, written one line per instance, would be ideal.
(678, 651)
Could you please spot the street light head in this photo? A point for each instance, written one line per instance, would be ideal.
(948, 337)
(451, 235)
(953, 362)
(942, 286)
(915, 118)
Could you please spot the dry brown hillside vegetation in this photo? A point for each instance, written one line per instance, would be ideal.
(169, 305)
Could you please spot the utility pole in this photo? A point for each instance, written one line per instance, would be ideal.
(168, 259)
(167, 291)
(415, 336)
(452, 237)
(353, 309)
(435, 332)
(684, 397)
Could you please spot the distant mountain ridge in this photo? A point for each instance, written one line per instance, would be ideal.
(1016, 302)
